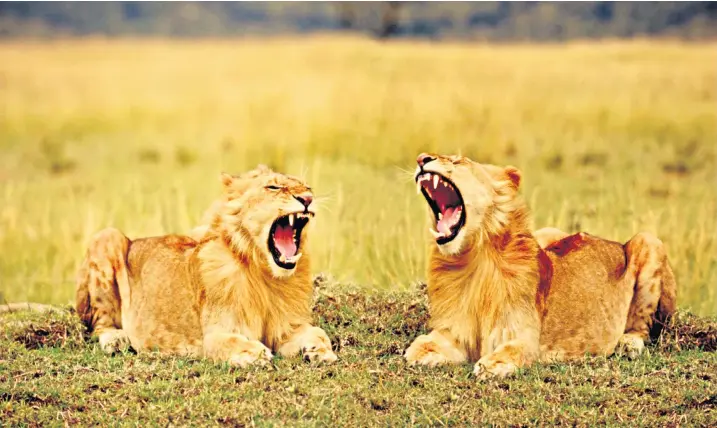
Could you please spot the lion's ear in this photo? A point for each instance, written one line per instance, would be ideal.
(514, 175)
(226, 179)
(262, 168)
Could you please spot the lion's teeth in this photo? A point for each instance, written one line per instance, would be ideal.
(435, 181)
(291, 219)
(418, 188)
(440, 216)
(282, 258)
(293, 259)
(434, 233)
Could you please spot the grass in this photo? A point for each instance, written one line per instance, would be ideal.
(49, 375)
(612, 137)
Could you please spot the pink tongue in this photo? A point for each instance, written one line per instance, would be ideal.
(284, 240)
(450, 217)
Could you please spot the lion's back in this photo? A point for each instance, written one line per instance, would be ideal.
(160, 253)
(588, 296)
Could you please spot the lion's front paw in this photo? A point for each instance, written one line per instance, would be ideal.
(630, 346)
(113, 341)
(320, 354)
(251, 352)
(317, 346)
(423, 351)
(486, 368)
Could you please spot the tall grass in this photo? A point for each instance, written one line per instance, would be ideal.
(613, 138)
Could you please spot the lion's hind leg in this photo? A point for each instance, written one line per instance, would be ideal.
(98, 299)
(654, 298)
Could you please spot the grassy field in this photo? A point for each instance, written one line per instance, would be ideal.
(613, 138)
(49, 376)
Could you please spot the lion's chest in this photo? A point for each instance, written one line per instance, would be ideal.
(458, 310)
(474, 312)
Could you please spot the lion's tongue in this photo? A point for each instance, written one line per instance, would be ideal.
(284, 240)
(449, 218)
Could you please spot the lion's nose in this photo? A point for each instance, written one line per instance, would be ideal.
(424, 158)
(305, 199)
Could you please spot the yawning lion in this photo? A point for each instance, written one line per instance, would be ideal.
(498, 298)
(236, 294)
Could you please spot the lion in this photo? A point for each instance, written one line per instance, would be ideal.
(237, 294)
(504, 297)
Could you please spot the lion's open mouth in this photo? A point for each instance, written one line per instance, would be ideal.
(285, 238)
(447, 204)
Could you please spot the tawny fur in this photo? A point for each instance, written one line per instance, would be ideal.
(500, 298)
(220, 296)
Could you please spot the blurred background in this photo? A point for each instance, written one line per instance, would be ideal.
(123, 114)
(431, 20)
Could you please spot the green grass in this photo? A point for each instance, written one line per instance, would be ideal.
(49, 375)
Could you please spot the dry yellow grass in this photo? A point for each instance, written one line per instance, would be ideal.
(612, 137)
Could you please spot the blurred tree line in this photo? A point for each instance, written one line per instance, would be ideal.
(471, 20)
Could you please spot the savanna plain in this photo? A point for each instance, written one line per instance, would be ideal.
(612, 138)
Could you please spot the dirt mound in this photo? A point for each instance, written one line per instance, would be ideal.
(688, 331)
(56, 329)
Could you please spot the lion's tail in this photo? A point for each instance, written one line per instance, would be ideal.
(28, 306)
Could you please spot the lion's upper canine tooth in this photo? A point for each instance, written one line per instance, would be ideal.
(435, 181)
(440, 216)
(291, 220)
